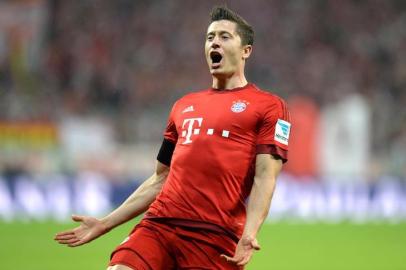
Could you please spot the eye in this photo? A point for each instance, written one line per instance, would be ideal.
(225, 37)
(210, 37)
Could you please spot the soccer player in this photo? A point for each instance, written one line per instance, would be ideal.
(222, 150)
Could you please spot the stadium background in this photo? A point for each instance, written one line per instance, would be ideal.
(86, 86)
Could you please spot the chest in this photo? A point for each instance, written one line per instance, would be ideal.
(226, 116)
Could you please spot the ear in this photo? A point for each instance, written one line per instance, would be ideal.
(247, 49)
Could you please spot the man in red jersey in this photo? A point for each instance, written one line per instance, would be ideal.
(220, 146)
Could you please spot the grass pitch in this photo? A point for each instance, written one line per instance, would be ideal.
(284, 247)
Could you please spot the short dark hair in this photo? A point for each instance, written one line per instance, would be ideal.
(244, 30)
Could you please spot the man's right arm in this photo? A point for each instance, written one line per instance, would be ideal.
(139, 201)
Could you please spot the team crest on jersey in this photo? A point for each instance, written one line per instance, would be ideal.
(239, 106)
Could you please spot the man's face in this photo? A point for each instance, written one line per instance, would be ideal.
(224, 53)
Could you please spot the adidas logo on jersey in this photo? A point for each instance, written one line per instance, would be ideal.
(188, 109)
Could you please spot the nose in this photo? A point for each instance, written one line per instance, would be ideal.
(215, 43)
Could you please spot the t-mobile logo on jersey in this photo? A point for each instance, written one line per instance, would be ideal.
(188, 129)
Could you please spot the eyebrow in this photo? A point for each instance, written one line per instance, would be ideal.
(220, 32)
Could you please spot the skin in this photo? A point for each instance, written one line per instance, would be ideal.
(91, 228)
(223, 38)
(267, 169)
(119, 267)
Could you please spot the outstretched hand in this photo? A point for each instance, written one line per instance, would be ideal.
(89, 229)
(244, 251)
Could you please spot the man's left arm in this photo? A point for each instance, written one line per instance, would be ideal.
(267, 169)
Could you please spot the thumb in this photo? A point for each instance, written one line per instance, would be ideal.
(255, 245)
(77, 218)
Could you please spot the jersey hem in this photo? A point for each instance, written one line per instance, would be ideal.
(193, 224)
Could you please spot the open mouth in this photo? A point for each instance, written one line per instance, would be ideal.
(216, 58)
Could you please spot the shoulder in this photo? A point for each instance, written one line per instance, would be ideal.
(269, 99)
(189, 99)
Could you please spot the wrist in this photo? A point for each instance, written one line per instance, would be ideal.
(249, 235)
(106, 224)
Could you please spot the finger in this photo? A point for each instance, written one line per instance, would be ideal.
(255, 245)
(69, 241)
(64, 237)
(77, 218)
(244, 261)
(230, 259)
(78, 243)
(225, 257)
(70, 232)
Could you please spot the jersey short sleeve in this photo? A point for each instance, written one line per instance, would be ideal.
(273, 136)
(170, 132)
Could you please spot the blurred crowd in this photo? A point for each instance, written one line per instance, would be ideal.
(126, 61)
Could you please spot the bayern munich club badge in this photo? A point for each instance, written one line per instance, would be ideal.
(239, 106)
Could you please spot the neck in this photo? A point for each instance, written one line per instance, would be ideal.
(228, 83)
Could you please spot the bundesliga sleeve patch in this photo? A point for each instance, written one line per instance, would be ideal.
(282, 131)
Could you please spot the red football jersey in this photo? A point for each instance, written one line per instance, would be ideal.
(217, 135)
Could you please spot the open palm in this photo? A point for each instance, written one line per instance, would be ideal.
(89, 229)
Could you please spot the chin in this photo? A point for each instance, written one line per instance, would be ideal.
(217, 72)
(220, 74)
